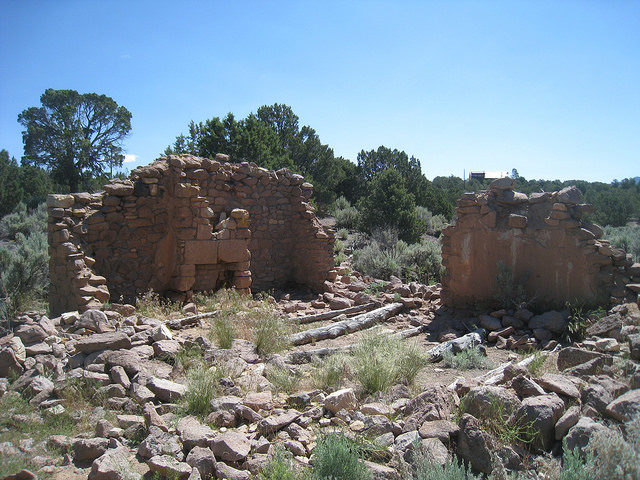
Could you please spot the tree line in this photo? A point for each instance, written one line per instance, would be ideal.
(73, 142)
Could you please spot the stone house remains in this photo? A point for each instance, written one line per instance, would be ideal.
(545, 243)
(184, 223)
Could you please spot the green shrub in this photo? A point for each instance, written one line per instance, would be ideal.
(345, 214)
(189, 357)
(151, 304)
(203, 384)
(434, 223)
(24, 273)
(23, 221)
(539, 359)
(613, 456)
(627, 238)
(426, 469)
(283, 379)
(281, 467)
(387, 203)
(342, 234)
(338, 252)
(337, 457)
(385, 255)
(499, 420)
(466, 360)
(580, 317)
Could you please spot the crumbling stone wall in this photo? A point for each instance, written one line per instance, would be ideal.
(541, 238)
(184, 224)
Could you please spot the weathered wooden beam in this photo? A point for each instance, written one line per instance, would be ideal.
(179, 323)
(316, 317)
(359, 322)
(307, 356)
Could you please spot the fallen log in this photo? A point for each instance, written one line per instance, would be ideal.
(456, 345)
(179, 323)
(307, 356)
(316, 317)
(359, 322)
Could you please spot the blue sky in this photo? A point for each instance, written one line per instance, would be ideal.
(549, 88)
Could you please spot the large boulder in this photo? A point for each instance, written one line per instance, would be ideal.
(553, 321)
(9, 364)
(436, 402)
(475, 445)
(278, 421)
(160, 443)
(541, 413)
(559, 384)
(113, 465)
(169, 467)
(486, 401)
(572, 356)
(88, 449)
(580, 434)
(194, 434)
(230, 446)
(166, 390)
(103, 341)
(626, 406)
(343, 399)
(203, 460)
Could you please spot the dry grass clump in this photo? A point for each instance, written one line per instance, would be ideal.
(375, 364)
(242, 316)
(203, 384)
(151, 304)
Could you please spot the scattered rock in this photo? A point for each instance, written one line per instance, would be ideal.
(625, 407)
(169, 467)
(230, 446)
(580, 434)
(113, 465)
(542, 412)
(88, 449)
(343, 399)
(103, 341)
(475, 445)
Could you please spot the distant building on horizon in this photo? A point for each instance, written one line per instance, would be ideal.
(488, 175)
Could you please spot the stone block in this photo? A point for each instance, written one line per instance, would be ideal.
(233, 250)
(60, 201)
(201, 252)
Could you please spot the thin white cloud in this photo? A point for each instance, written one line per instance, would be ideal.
(130, 157)
(125, 56)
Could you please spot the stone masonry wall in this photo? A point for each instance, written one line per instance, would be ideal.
(541, 238)
(185, 223)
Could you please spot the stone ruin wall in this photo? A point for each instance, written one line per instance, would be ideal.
(542, 238)
(184, 224)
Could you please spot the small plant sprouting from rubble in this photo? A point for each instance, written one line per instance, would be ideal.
(510, 290)
(466, 360)
(281, 467)
(580, 317)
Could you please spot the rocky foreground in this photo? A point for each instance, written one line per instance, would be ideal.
(137, 369)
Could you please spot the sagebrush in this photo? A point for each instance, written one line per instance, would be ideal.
(385, 256)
